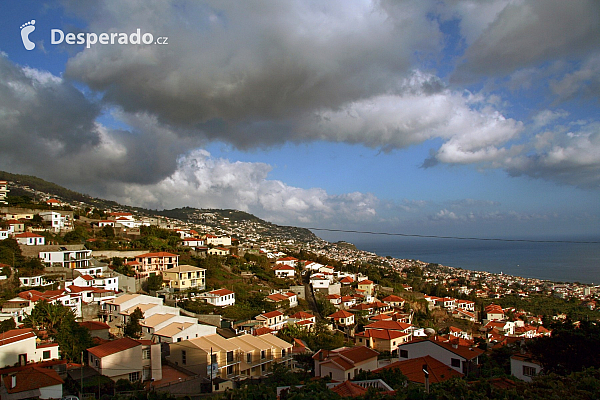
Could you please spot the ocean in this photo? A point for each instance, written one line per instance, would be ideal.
(559, 262)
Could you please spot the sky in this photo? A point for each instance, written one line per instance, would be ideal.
(463, 118)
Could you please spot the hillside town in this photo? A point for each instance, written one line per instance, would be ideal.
(97, 302)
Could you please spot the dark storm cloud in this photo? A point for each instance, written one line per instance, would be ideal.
(529, 33)
(233, 67)
(49, 128)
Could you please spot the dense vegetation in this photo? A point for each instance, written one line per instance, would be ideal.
(58, 322)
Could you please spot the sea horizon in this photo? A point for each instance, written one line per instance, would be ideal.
(561, 261)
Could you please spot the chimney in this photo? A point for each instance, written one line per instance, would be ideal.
(455, 345)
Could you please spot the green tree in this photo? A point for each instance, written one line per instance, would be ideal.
(72, 338)
(107, 232)
(78, 235)
(7, 325)
(10, 253)
(570, 348)
(133, 329)
(59, 323)
(155, 282)
(46, 317)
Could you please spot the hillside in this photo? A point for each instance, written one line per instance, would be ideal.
(239, 221)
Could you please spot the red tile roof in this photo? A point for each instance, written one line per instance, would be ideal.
(32, 378)
(262, 331)
(94, 325)
(390, 325)
(113, 347)
(159, 254)
(382, 334)
(271, 314)
(365, 282)
(222, 292)
(287, 259)
(413, 370)
(356, 354)
(302, 315)
(15, 335)
(27, 234)
(340, 314)
(393, 299)
(466, 352)
(349, 389)
(277, 297)
(283, 267)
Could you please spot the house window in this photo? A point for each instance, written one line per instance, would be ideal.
(249, 358)
(282, 353)
(455, 362)
(46, 354)
(263, 354)
(146, 354)
(183, 357)
(404, 353)
(134, 376)
(528, 371)
(213, 359)
(230, 370)
(229, 357)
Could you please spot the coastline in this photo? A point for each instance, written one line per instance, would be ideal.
(555, 262)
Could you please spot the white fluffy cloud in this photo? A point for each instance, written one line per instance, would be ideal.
(201, 180)
(568, 155)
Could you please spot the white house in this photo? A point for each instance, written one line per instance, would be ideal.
(123, 221)
(30, 239)
(192, 242)
(218, 240)
(176, 331)
(284, 271)
(32, 382)
(113, 308)
(33, 281)
(320, 282)
(107, 222)
(134, 360)
(3, 191)
(274, 320)
(288, 298)
(524, 367)
(19, 346)
(67, 256)
(57, 221)
(100, 282)
(291, 261)
(463, 359)
(466, 305)
(219, 297)
(344, 363)
(219, 251)
(4, 234)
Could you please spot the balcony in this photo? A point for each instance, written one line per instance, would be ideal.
(287, 357)
(261, 361)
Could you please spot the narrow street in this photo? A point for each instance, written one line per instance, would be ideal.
(310, 296)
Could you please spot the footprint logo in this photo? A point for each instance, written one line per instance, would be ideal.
(26, 29)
